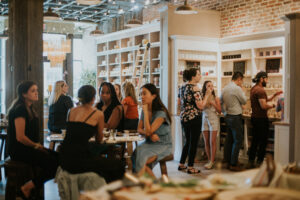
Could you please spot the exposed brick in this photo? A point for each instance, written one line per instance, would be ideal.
(240, 17)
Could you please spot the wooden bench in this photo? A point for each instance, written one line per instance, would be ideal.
(163, 165)
(18, 173)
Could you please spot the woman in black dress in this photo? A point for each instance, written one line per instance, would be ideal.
(59, 104)
(23, 137)
(110, 105)
(84, 122)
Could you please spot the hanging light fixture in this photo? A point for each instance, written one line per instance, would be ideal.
(88, 2)
(49, 15)
(96, 32)
(133, 23)
(185, 9)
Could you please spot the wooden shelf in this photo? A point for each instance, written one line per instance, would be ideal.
(274, 74)
(235, 59)
(267, 57)
(209, 77)
(155, 73)
(114, 63)
(200, 60)
(128, 62)
(101, 65)
(154, 59)
(102, 76)
(114, 75)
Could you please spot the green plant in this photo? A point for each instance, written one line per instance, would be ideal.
(88, 77)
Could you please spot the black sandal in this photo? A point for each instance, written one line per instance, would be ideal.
(182, 168)
(193, 171)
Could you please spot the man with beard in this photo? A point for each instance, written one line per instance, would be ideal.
(259, 118)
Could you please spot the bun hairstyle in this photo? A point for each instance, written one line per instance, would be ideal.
(86, 94)
(189, 73)
(259, 75)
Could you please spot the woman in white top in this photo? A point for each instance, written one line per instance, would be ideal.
(210, 122)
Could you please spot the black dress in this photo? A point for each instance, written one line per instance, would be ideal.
(75, 156)
(107, 113)
(58, 113)
(47, 160)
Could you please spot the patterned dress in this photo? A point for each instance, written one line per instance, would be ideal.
(188, 98)
(148, 149)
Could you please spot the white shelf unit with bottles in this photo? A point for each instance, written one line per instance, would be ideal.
(116, 53)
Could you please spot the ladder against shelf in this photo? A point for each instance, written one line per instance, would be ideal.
(120, 51)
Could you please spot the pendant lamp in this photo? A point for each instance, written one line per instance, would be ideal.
(88, 2)
(96, 32)
(49, 15)
(185, 9)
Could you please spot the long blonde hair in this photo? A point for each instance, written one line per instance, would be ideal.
(56, 92)
(129, 90)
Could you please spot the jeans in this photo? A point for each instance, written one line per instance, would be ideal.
(234, 138)
(260, 139)
(192, 131)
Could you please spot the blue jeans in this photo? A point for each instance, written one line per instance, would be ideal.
(234, 138)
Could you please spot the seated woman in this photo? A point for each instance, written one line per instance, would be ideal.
(130, 105)
(110, 106)
(23, 138)
(84, 122)
(155, 125)
(59, 104)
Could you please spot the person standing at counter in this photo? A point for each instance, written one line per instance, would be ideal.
(59, 104)
(191, 117)
(232, 99)
(259, 118)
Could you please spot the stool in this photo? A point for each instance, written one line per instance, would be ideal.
(19, 173)
(163, 166)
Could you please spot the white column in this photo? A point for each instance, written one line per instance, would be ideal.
(292, 89)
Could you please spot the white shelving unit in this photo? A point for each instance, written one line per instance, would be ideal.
(116, 54)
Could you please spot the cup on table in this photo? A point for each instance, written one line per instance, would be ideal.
(126, 133)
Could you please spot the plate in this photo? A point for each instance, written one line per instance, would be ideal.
(259, 193)
(229, 181)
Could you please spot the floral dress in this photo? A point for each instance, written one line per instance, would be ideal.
(188, 98)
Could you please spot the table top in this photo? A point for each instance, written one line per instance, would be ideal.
(108, 140)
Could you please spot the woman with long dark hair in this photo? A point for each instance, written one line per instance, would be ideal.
(154, 123)
(210, 122)
(191, 118)
(23, 138)
(110, 105)
(84, 122)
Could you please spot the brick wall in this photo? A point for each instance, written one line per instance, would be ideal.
(240, 17)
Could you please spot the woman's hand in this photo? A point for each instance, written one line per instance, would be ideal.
(208, 92)
(154, 137)
(145, 108)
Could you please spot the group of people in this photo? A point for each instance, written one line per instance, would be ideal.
(119, 110)
(82, 122)
(200, 111)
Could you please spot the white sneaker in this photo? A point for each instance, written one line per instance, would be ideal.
(209, 165)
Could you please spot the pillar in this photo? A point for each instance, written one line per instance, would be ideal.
(25, 49)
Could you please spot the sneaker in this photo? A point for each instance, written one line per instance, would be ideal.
(209, 165)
